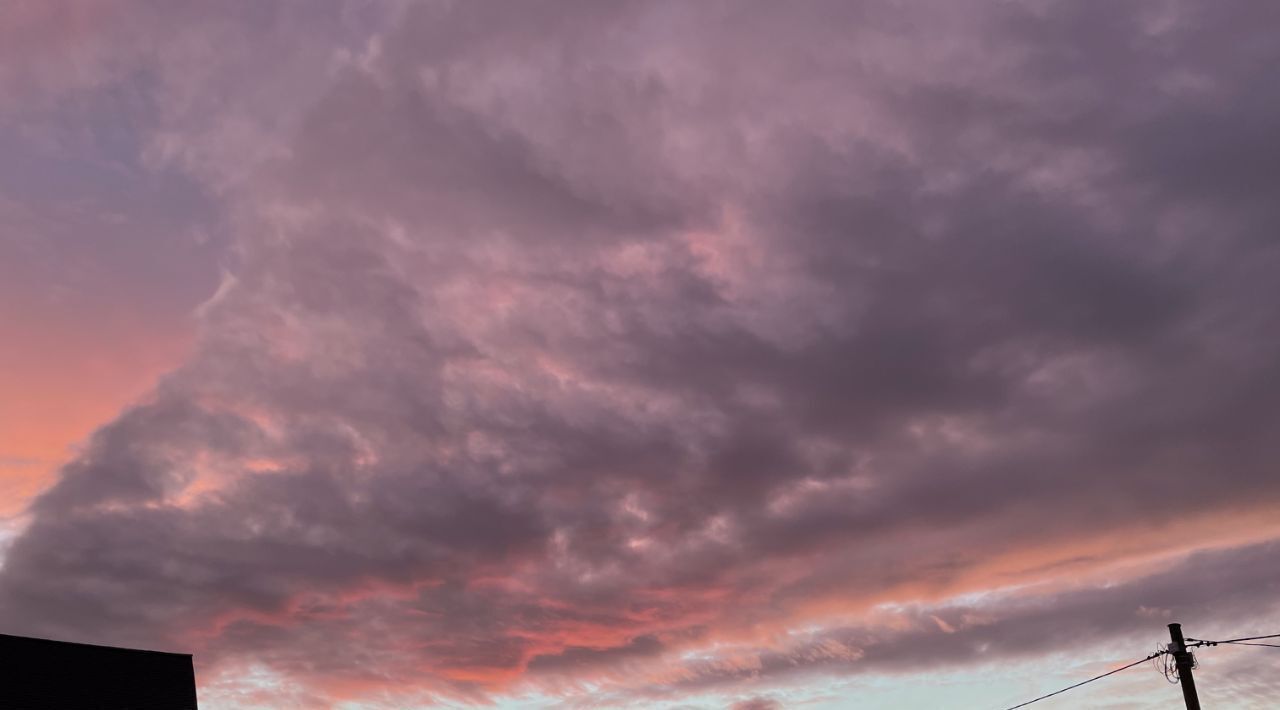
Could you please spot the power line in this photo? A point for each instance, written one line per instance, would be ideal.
(1083, 682)
(1202, 642)
(1164, 662)
(1193, 643)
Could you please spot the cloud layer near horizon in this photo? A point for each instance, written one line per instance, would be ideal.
(638, 351)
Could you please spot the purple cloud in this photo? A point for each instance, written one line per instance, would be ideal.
(657, 348)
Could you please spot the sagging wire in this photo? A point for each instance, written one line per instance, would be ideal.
(1165, 664)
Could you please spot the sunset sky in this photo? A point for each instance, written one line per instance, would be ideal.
(574, 354)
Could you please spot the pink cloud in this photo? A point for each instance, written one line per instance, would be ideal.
(638, 353)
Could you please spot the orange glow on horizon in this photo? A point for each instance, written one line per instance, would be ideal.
(62, 378)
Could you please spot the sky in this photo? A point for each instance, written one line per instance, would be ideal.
(730, 354)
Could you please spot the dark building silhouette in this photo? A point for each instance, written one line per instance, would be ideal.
(38, 674)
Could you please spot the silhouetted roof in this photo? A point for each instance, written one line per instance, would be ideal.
(59, 675)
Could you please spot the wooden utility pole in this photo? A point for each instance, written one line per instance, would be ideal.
(1182, 659)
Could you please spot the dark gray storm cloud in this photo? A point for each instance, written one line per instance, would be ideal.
(567, 338)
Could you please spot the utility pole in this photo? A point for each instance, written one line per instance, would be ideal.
(1182, 659)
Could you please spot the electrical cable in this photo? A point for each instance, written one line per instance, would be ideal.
(1247, 643)
(1164, 663)
(1083, 682)
(1167, 669)
(1203, 642)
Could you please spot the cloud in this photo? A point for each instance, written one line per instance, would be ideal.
(578, 340)
(579, 657)
(1233, 587)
